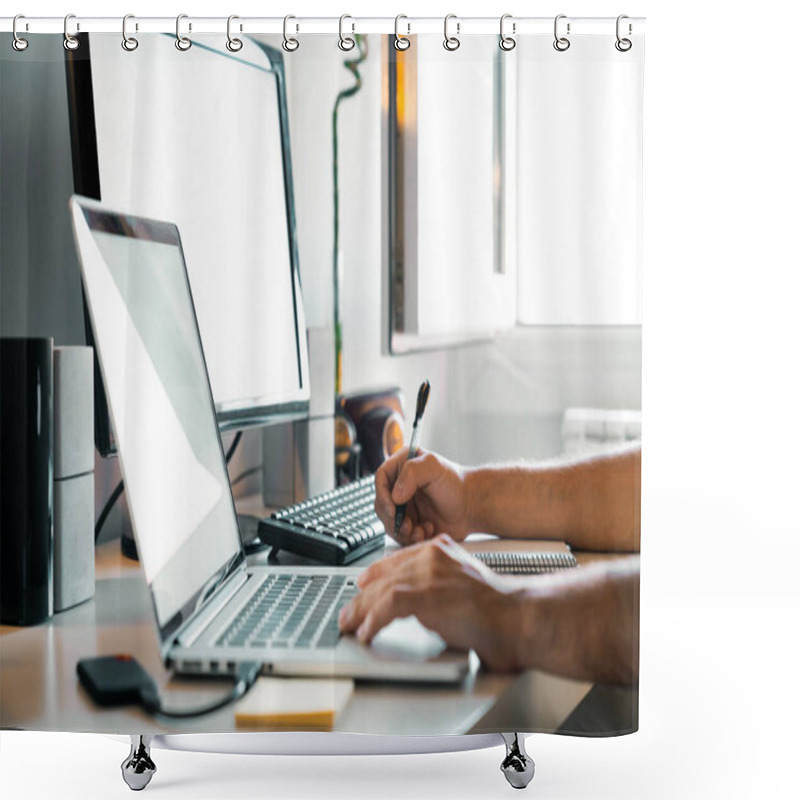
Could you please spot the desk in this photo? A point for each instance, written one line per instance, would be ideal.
(40, 691)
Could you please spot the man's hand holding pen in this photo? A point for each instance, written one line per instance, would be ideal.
(432, 489)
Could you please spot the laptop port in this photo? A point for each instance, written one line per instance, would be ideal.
(213, 666)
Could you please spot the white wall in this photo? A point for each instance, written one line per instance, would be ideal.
(497, 400)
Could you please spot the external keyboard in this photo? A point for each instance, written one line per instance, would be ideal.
(336, 527)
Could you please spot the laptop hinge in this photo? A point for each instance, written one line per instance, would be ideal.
(193, 630)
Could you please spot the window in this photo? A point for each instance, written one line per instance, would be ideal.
(514, 187)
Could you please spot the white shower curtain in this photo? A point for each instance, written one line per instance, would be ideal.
(469, 214)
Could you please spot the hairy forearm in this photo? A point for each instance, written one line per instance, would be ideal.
(594, 504)
(581, 625)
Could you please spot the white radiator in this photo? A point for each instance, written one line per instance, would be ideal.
(594, 430)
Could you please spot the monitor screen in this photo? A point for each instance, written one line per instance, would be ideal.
(200, 138)
(146, 336)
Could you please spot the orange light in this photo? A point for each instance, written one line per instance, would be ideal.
(393, 436)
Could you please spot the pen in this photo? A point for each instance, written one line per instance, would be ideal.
(422, 401)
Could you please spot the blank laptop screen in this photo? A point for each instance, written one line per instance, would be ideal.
(155, 377)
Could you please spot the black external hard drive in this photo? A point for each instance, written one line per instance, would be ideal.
(114, 680)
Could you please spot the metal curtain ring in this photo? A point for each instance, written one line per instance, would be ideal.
(18, 43)
(623, 44)
(183, 43)
(451, 43)
(346, 42)
(129, 43)
(233, 44)
(507, 42)
(289, 44)
(561, 43)
(401, 42)
(70, 42)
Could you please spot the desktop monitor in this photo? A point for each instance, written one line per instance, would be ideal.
(200, 138)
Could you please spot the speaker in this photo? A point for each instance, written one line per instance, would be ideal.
(26, 480)
(73, 450)
(377, 417)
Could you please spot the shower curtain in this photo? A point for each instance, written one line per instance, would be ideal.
(360, 205)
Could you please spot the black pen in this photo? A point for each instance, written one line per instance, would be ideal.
(422, 401)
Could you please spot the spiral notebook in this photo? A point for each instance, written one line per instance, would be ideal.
(515, 563)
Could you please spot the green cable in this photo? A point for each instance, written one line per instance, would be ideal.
(351, 65)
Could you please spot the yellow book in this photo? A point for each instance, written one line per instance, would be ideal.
(293, 703)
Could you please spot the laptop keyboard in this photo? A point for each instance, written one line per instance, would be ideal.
(300, 611)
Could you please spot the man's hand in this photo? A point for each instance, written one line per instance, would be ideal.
(448, 591)
(434, 492)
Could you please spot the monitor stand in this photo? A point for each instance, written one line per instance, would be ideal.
(248, 530)
(128, 546)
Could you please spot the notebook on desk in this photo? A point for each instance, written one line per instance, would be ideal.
(211, 610)
(521, 556)
(526, 563)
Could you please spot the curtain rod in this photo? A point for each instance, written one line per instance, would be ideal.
(321, 25)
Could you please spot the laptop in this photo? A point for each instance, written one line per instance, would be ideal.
(211, 609)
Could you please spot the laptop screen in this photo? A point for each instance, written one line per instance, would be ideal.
(160, 400)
